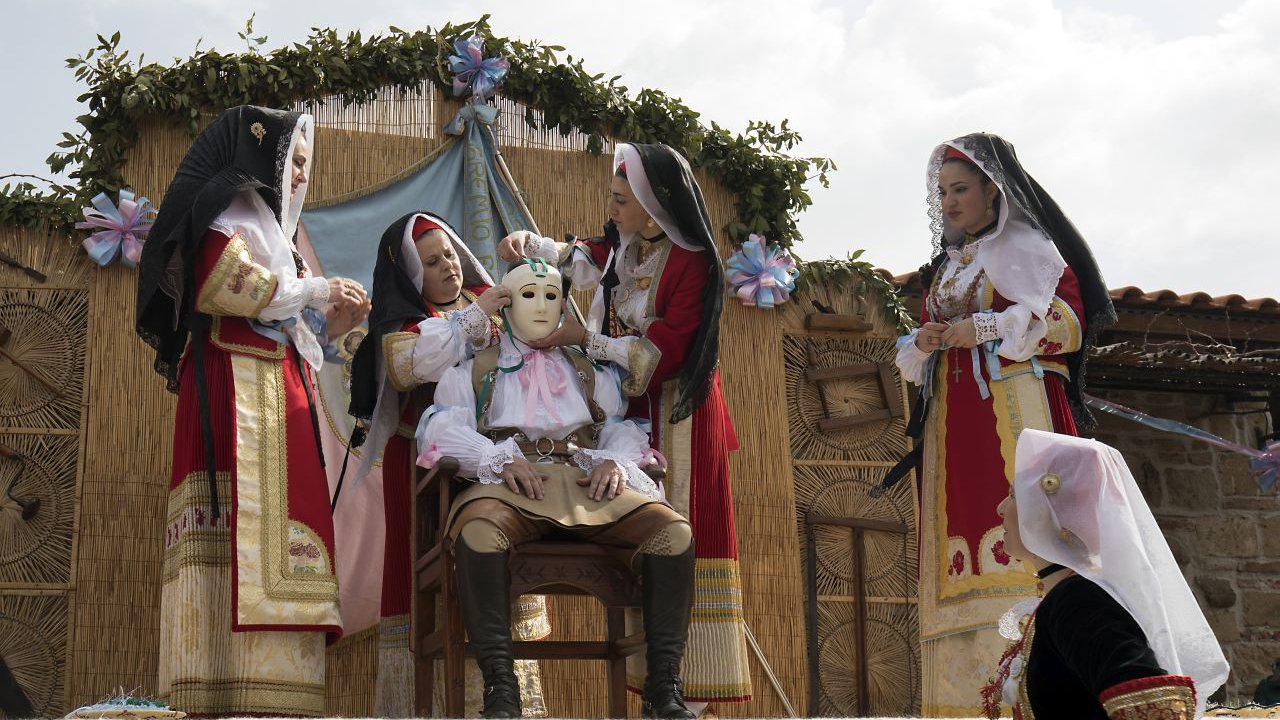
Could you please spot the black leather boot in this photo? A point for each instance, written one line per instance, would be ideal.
(484, 587)
(667, 587)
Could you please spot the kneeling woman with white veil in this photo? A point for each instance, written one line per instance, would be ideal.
(1118, 633)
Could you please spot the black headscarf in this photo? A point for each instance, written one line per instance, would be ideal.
(677, 192)
(244, 148)
(996, 155)
(397, 299)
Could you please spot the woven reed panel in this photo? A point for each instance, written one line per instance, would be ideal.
(37, 551)
(48, 324)
(33, 644)
(128, 439)
(352, 667)
(875, 441)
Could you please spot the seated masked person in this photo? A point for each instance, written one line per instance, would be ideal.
(542, 436)
(1118, 633)
(434, 304)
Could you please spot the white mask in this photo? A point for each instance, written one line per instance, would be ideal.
(536, 295)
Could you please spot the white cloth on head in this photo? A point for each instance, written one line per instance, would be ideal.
(638, 179)
(270, 241)
(449, 426)
(1113, 540)
(1021, 261)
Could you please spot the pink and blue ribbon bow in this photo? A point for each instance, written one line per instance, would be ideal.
(542, 380)
(472, 70)
(762, 275)
(121, 229)
(1264, 465)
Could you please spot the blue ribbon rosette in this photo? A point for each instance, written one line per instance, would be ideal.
(762, 275)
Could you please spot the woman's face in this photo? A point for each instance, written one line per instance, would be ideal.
(441, 269)
(1008, 511)
(966, 200)
(298, 164)
(624, 210)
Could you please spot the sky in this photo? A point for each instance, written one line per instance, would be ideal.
(1155, 124)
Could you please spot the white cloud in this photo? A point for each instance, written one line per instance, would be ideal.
(1154, 127)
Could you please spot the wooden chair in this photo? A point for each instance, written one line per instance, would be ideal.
(547, 567)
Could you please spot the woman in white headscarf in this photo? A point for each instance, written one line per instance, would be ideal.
(240, 324)
(1118, 633)
(1013, 300)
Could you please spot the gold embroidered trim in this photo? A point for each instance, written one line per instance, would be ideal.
(219, 341)
(1167, 702)
(397, 352)
(237, 285)
(642, 360)
(1063, 332)
(269, 593)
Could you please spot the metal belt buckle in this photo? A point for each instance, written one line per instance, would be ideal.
(544, 456)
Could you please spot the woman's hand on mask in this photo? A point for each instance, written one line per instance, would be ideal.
(494, 299)
(512, 247)
(570, 332)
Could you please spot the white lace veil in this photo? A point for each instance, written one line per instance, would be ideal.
(1020, 259)
(1078, 506)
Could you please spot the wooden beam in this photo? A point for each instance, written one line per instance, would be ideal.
(1181, 324)
(817, 375)
(845, 421)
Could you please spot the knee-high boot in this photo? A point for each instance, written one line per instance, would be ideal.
(667, 588)
(484, 587)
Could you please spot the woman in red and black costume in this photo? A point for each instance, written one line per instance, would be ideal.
(434, 305)
(239, 325)
(656, 314)
(1014, 298)
(1118, 635)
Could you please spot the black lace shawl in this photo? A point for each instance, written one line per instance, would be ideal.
(677, 191)
(244, 148)
(997, 155)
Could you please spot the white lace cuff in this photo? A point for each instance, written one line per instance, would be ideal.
(475, 323)
(317, 291)
(494, 461)
(603, 348)
(987, 326)
(637, 479)
(543, 247)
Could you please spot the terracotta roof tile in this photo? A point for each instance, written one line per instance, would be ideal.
(1135, 297)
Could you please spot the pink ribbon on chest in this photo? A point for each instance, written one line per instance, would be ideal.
(543, 379)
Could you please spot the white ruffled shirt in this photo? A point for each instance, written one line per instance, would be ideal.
(447, 340)
(1017, 327)
(449, 426)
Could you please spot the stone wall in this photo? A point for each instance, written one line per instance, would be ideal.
(1224, 532)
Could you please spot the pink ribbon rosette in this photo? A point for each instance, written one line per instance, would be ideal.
(121, 229)
(762, 275)
(472, 70)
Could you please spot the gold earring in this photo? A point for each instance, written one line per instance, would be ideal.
(650, 224)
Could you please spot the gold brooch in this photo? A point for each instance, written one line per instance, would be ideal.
(1050, 484)
(644, 282)
(258, 131)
